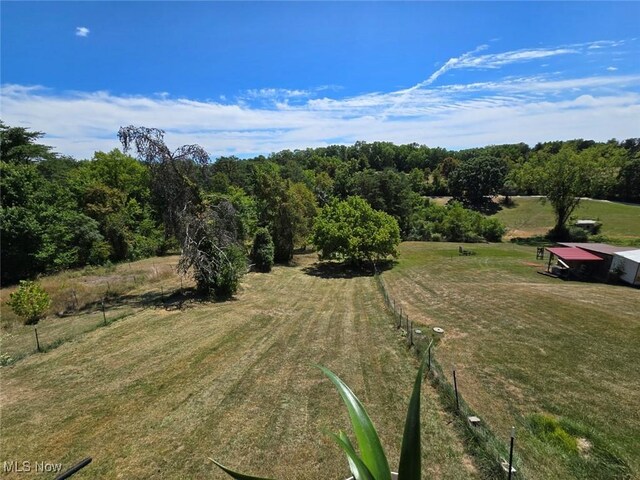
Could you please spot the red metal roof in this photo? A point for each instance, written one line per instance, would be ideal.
(573, 253)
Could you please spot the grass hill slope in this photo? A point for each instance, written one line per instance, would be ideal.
(530, 216)
(560, 360)
(156, 393)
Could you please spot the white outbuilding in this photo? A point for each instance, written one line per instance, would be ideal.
(628, 264)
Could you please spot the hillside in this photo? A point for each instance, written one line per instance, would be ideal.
(530, 216)
(525, 344)
(156, 393)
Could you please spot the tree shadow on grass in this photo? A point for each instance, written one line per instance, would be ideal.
(331, 269)
(179, 299)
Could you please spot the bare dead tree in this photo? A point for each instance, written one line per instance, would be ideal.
(208, 234)
(174, 174)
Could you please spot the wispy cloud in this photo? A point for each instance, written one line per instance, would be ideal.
(471, 59)
(82, 32)
(612, 69)
(282, 96)
(533, 108)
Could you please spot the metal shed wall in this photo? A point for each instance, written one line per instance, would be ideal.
(630, 262)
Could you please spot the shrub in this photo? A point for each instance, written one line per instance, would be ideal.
(223, 280)
(577, 234)
(30, 301)
(352, 230)
(262, 251)
(493, 229)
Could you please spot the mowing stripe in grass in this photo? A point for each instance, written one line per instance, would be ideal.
(480, 440)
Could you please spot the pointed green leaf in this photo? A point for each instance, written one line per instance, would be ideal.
(411, 452)
(353, 467)
(237, 476)
(369, 444)
(356, 465)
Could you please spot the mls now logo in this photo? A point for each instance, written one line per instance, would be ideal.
(27, 466)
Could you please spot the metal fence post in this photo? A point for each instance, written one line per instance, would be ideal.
(455, 386)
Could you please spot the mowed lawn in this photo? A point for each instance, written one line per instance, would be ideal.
(524, 344)
(530, 216)
(156, 393)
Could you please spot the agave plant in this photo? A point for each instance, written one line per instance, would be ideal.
(371, 463)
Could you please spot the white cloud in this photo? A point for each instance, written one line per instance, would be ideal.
(513, 109)
(453, 116)
(612, 69)
(470, 60)
(82, 31)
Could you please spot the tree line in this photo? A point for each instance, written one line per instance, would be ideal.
(147, 199)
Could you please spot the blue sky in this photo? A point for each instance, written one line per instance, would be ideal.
(247, 78)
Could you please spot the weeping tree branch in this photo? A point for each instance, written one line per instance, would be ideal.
(172, 173)
(208, 234)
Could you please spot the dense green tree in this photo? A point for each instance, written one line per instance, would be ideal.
(562, 178)
(454, 223)
(353, 231)
(390, 192)
(629, 181)
(114, 190)
(262, 250)
(288, 209)
(476, 178)
(19, 145)
(40, 225)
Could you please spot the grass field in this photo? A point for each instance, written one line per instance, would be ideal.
(156, 393)
(531, 217)
(126, 288)
(524, 344)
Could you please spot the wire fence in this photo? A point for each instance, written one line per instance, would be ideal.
(493, 456)
(85, 306)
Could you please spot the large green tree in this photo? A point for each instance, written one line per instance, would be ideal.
(19, 145)
(562, 178)
(114, 189)
(353, 231)
(41, 227)
(476, 178)
(288, 209)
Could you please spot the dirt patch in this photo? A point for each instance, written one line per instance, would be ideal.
(584, 446)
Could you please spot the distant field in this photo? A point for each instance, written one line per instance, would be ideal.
(531, 217)
(526, 344)
(156, 393)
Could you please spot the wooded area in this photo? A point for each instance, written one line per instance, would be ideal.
(59, 212)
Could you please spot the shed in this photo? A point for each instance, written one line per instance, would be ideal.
(605, 251)
(572, 262)
(588, 225)
(629, 263)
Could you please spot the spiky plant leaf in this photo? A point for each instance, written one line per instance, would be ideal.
(358, 469)
(236, 475)
(371, 450)
(411, 452)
